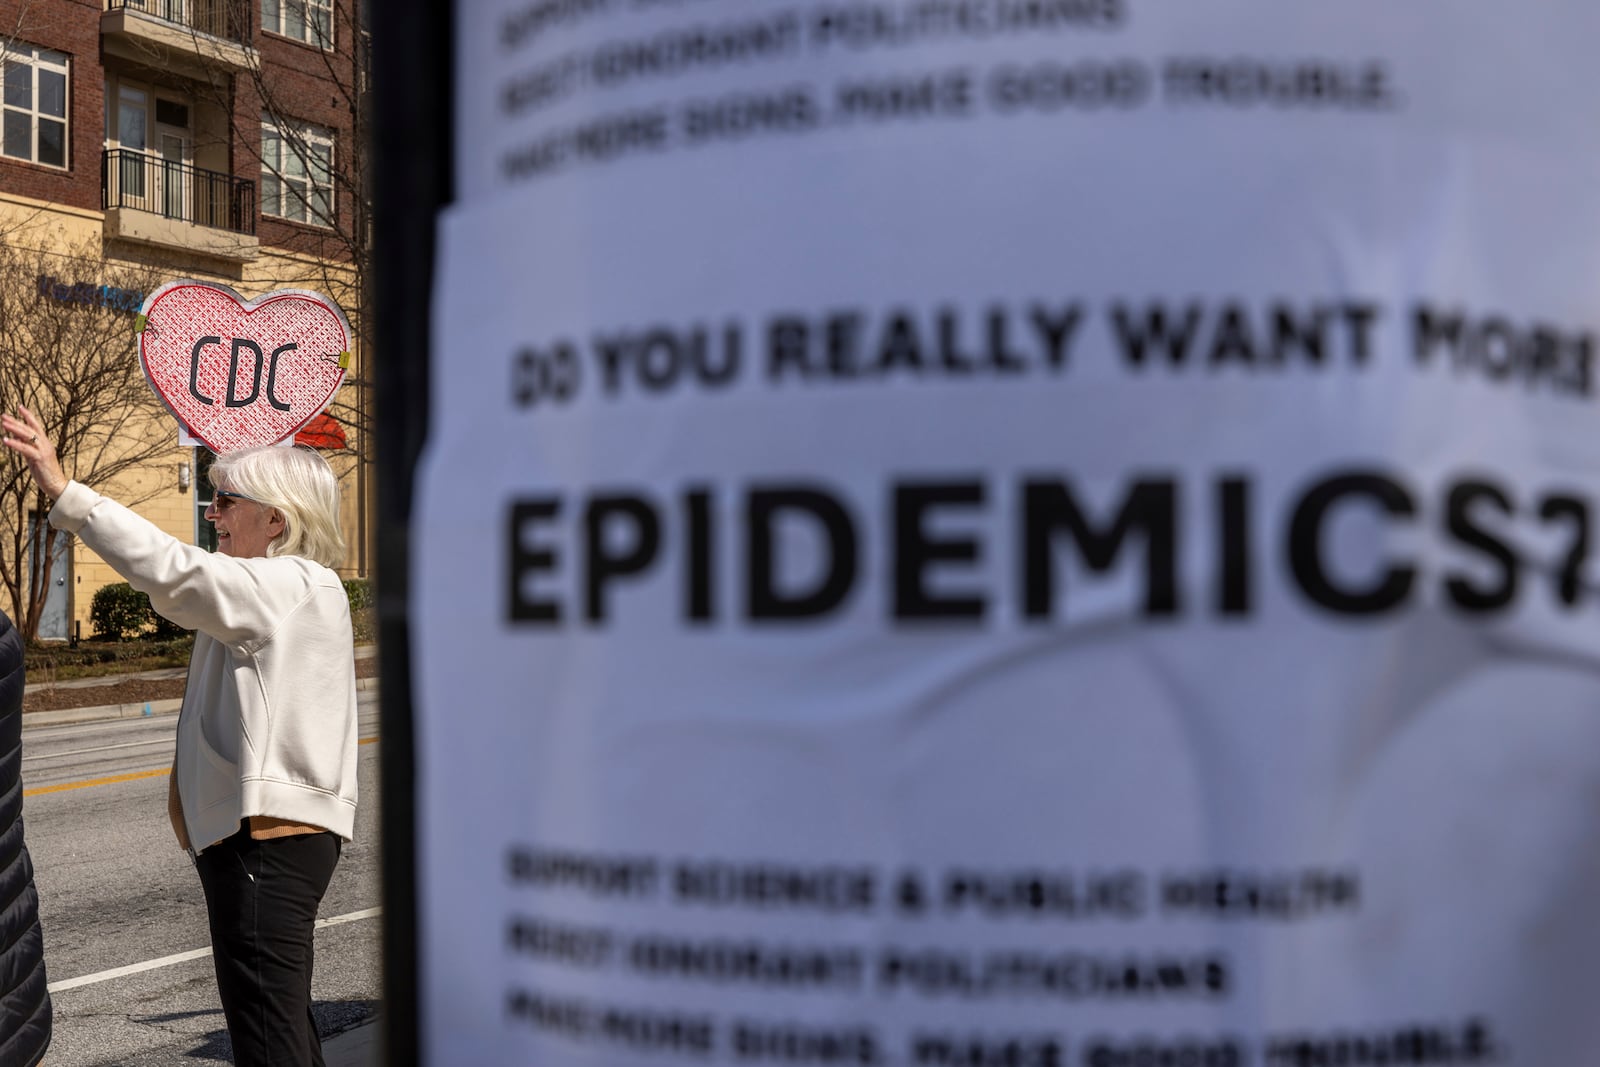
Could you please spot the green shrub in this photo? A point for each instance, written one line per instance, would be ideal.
(118, 612)
(359, 590)
(363, 609)
(121, 613)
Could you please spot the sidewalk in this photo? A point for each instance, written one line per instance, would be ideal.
(102, 712)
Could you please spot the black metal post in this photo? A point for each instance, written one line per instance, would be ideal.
(412, 142)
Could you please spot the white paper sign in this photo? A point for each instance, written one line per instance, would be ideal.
(1007, 533)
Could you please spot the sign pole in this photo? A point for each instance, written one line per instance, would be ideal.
(413, 146)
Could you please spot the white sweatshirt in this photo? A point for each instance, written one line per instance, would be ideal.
(268, 725)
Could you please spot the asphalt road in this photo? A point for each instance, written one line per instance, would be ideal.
(119, 901)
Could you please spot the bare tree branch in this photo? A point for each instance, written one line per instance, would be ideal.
(75, 363)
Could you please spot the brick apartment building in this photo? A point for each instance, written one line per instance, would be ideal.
(147, 140)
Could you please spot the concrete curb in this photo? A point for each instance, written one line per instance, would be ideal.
(355, 1047)
(107, 712)
(101, 713)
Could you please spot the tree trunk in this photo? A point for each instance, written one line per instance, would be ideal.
(41, 569)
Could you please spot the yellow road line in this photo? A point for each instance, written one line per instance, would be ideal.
(113, 780)
(133, 776)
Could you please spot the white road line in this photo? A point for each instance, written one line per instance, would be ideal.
(132, 968)
(354, 916)
(165, 723)
(185, 957)
(99, 748)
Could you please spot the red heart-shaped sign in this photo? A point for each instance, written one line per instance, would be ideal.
(242, 373)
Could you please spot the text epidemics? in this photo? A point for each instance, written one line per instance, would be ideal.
(581, 558)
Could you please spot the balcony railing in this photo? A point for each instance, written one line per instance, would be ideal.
(227, 19)
(143, 182)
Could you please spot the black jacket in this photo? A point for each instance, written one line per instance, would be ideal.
(24, 1000)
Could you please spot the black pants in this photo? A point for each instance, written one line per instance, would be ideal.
(261, 899)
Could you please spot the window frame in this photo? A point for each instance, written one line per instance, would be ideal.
(154, 96)
(205, 534)
(37, 59)
(275, 22)
(293, 138)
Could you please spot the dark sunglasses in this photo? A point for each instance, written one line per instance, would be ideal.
(222, 499)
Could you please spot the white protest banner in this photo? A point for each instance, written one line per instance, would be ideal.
(239, 373)
(1017, 533)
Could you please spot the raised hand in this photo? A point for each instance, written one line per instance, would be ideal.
(26, 437)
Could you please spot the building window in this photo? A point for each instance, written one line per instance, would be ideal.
(297, 172)
(205, 534)
(34, 124)
(304, 20)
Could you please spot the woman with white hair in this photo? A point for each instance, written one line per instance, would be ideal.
(263, 786)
